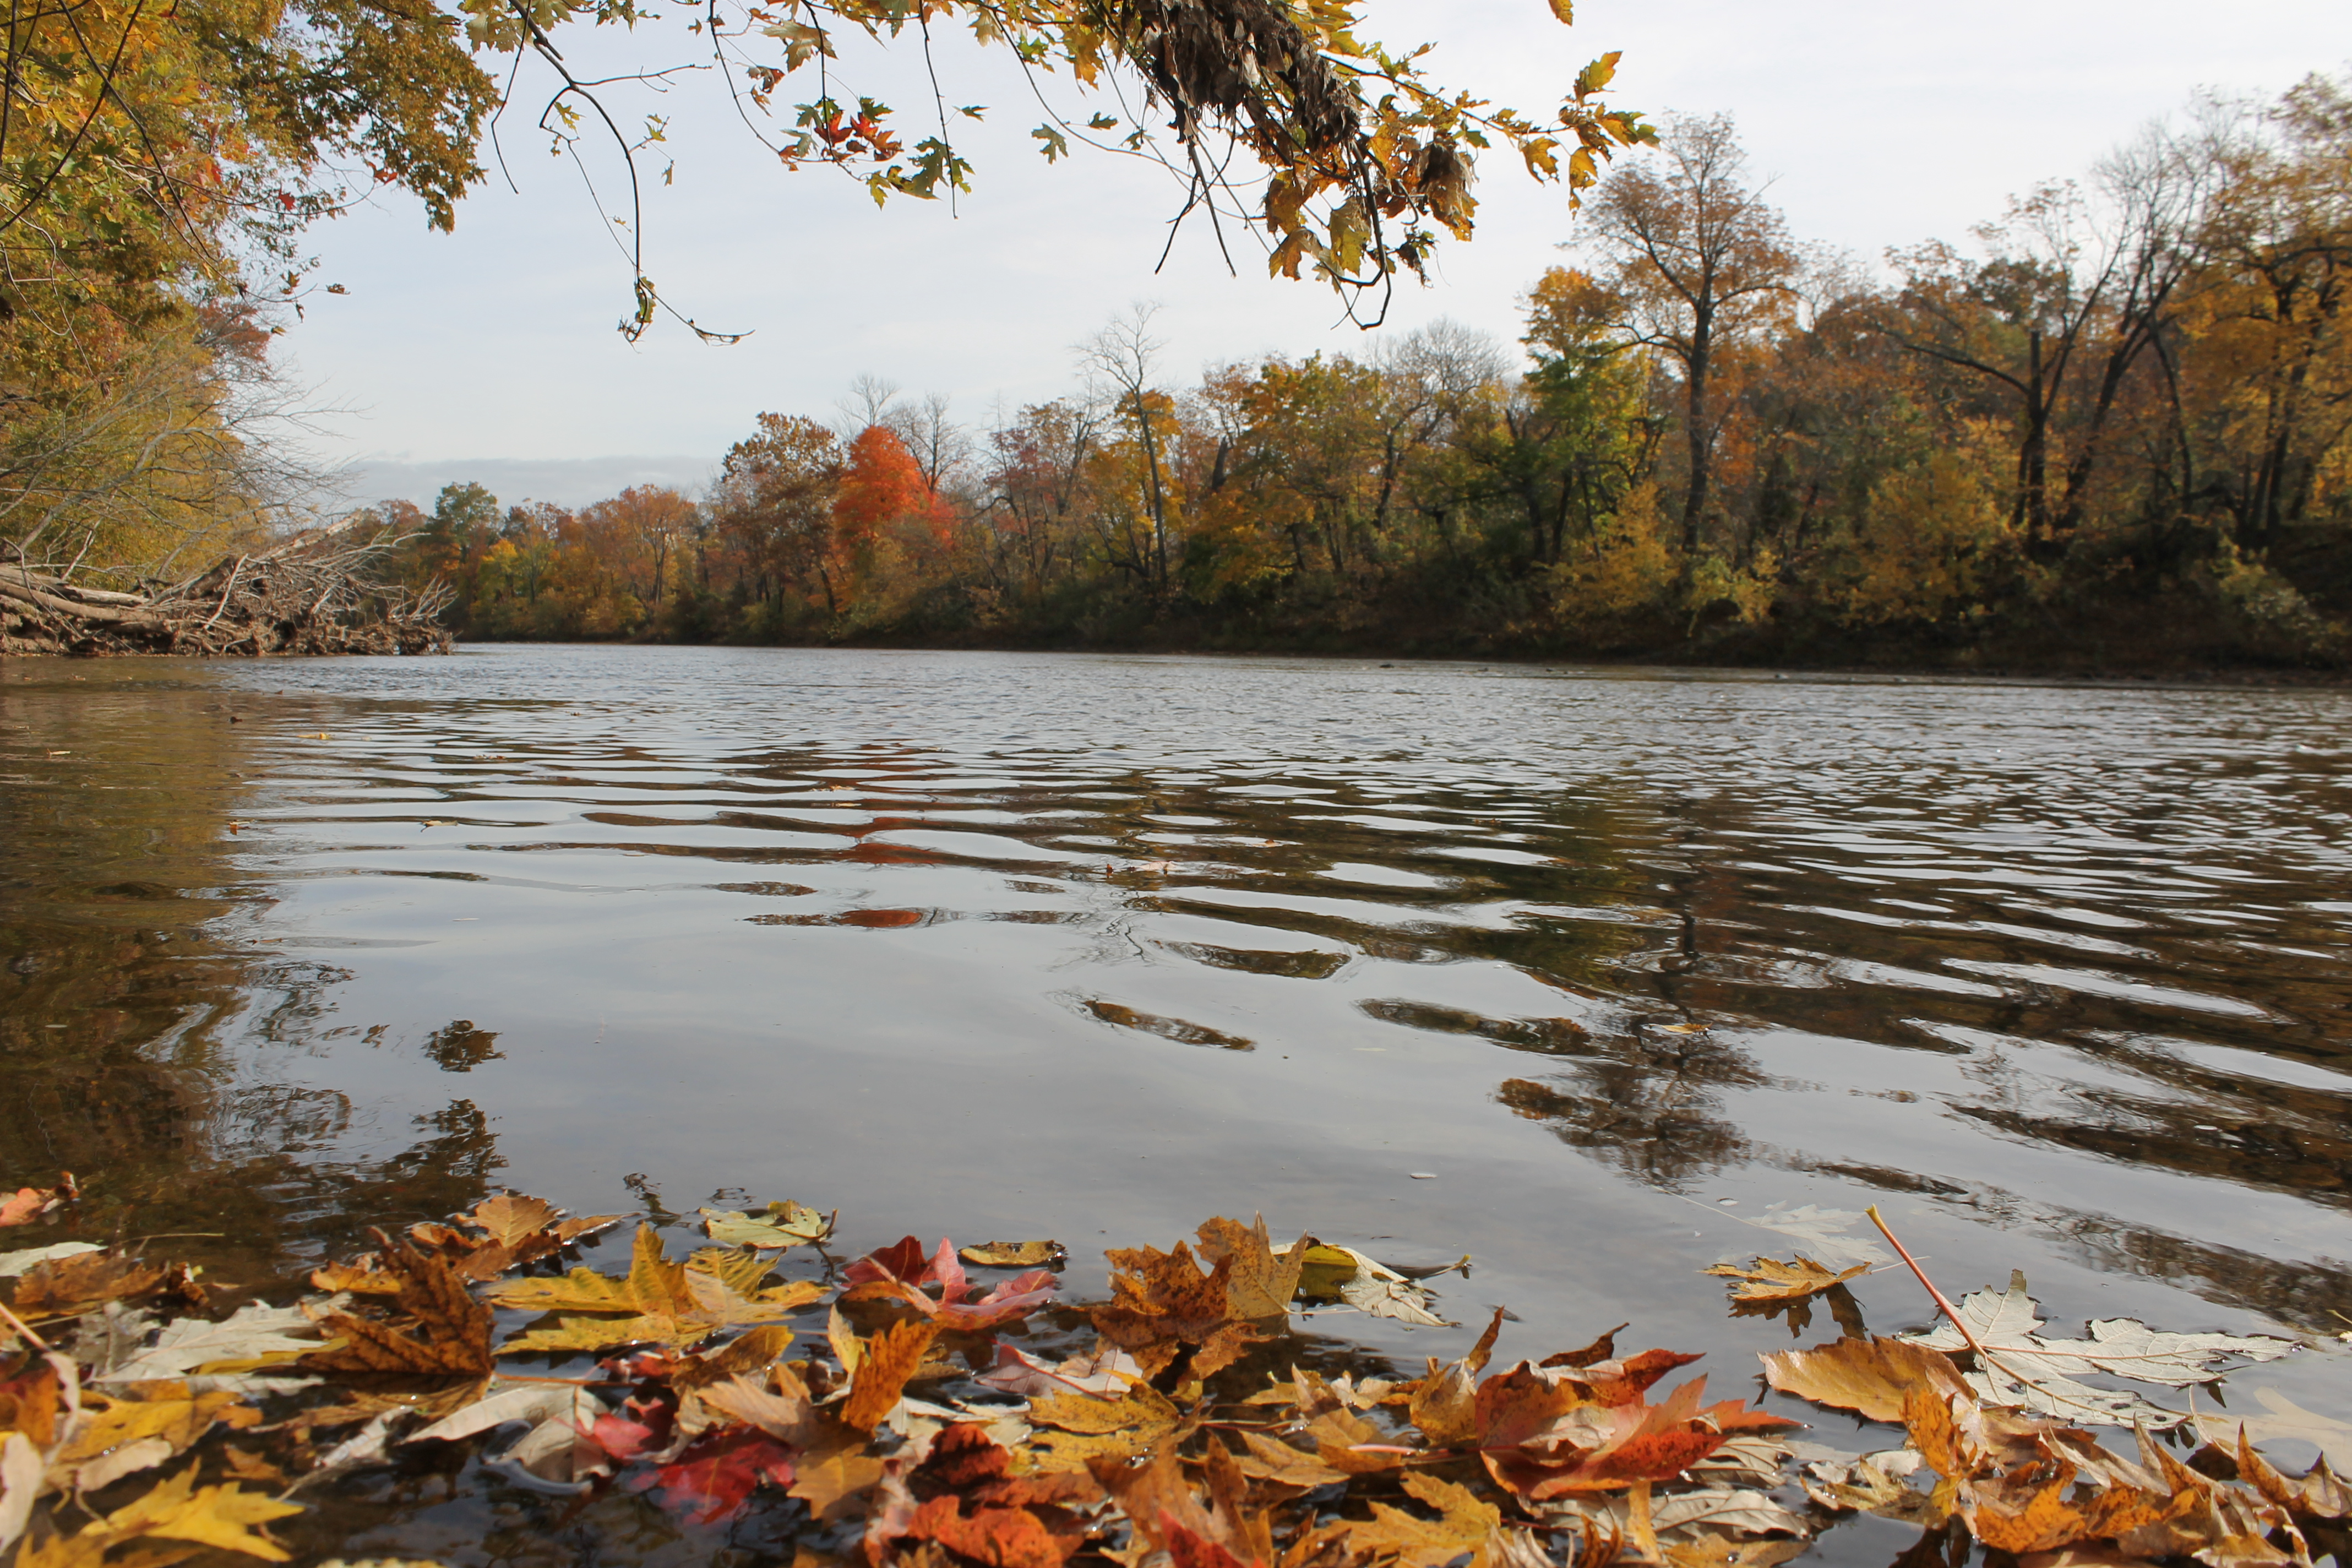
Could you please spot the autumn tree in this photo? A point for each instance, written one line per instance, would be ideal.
(774, 501)
(1696, 262)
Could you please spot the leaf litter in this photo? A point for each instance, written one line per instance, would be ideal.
(933, 1421)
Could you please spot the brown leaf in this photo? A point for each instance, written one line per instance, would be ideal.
(452, 1335)
(831, 1480)
(1722, 1551)
(885, 1363)
(1269, 1459)
(749, 1354)
(1259, 1283)
(67, 1287)
(785, 1413)
(1085, 1427)
(1766, 1280)
(1015, 1255)
(1464, 1525)
(1872, 1377)
(1162, 1303)
(2317, 1494)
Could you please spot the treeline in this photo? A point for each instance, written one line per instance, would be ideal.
(2111, 431)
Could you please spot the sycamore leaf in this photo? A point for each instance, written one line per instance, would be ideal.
(1566, 11)
(1822, 1230)
(253, 1332)
(2041, 1374)
(2285, 1420)
(1767, 1279)
(13, 1264)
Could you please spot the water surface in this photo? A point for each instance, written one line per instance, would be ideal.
(1597, 976)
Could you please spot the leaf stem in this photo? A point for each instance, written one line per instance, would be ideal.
(1942, 1302)
(25, 1329)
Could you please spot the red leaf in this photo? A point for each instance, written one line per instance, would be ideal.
(717, 1475)
(998, 1537)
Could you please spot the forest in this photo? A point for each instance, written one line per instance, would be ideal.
(2108, 431)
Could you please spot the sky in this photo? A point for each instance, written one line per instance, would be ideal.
(489, 355)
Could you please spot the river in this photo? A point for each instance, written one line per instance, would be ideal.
(1597, 976)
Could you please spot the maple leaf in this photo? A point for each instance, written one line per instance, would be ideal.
(1464, 1525)
(716, 1477)
(1444, 1404)
(455, 1338)
(901, 1272)
(1600, 1447)
(1766, 1280)
(1259, 1281)
(119, 1437)
(2317, 1494)
(1083, 1427)
(885, 1362)
(1162, 1304)
(176, 1509)
(658, 1301)
(518, 1230)
(1166, 1512)
(1873, 1376)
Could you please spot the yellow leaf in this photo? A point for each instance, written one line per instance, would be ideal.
(1566, 11)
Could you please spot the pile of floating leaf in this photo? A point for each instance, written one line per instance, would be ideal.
(897, 1410)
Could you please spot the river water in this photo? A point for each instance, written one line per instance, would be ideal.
(1597, 976)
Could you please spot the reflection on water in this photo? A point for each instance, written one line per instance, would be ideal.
(1628, 962)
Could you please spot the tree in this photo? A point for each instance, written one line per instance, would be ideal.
(1696, 262)
(774, 500)
(1120, 363)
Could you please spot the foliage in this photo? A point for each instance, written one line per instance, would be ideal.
(2116, 431)
(934, 1425)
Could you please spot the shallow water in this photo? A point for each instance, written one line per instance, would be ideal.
(1597, 976)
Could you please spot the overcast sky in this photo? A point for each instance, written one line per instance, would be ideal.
(492, 354)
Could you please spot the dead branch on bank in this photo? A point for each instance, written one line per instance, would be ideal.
(308, 594)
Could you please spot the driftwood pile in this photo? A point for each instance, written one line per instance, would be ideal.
(308, 594)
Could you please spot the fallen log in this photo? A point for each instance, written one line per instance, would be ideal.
(308, 593)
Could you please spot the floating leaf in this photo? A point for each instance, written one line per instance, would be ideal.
(781, 1225)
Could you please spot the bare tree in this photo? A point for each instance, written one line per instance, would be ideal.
(1697, 260)
(1120, 363)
